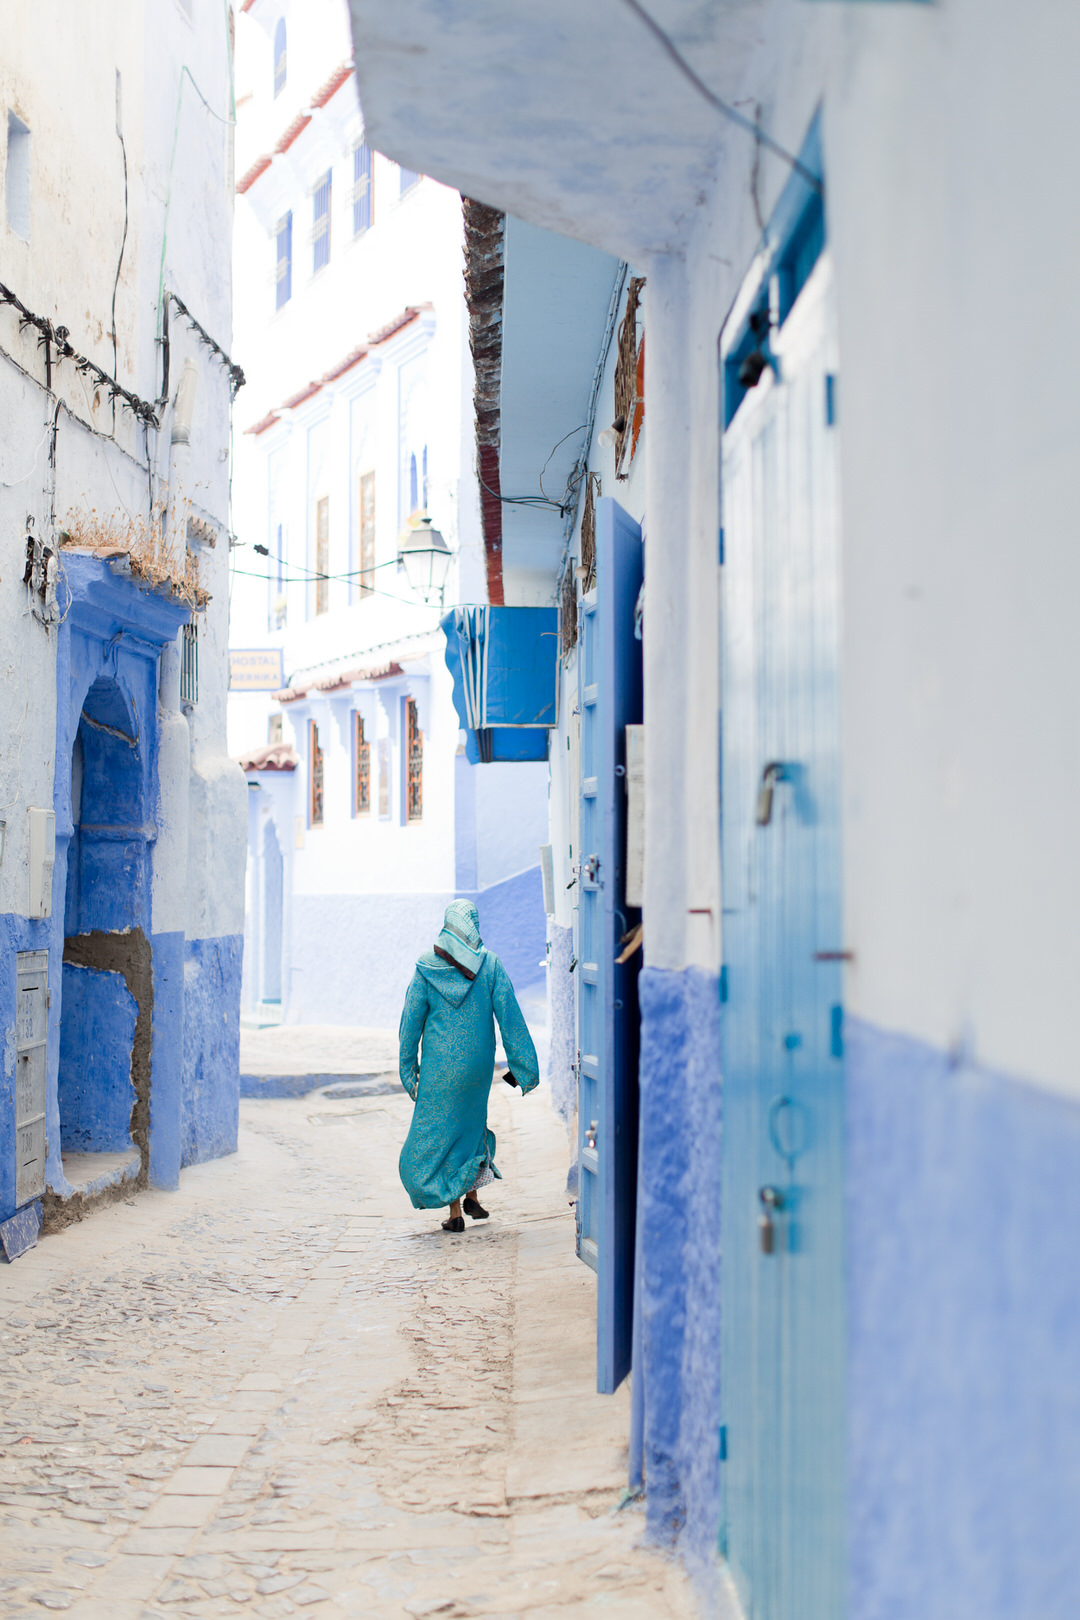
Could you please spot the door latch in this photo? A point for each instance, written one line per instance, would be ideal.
(775, 771)
(592, 868)
(772, 1201)
(590, 1134)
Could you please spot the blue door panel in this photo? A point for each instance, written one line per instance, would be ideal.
(610, 699)
(783, 1311)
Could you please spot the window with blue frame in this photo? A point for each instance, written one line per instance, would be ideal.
(407, 178)
(796, 237)
(280, 58)
(362, 194)
(321, 223)
(283, 275)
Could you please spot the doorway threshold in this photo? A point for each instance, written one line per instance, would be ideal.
(88, 1174)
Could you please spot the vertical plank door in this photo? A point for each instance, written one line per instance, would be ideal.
(782, 1227)
(610, 699)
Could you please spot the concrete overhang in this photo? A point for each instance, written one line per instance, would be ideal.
(556, 299)
(569, 115)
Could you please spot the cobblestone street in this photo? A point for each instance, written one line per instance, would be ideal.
(279, 1390)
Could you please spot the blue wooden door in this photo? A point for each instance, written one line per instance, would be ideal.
(609, 698)
(782, 1229)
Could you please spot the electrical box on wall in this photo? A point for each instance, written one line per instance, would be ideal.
(42, 858)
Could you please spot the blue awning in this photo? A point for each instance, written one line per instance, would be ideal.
(505, 666)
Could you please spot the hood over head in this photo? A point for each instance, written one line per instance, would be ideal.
(458, 954)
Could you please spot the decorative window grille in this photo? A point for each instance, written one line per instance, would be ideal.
(361, 768)
(322, 555)
(414, 763)
(362, 191)
(189, 662)
(281, 59)
(315, 770)
(321, 226)
(367, 533)
(407, 178)
(283, 276)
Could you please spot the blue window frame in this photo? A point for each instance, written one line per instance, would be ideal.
(283, 275)
(281, 71)
(407, 178)
(321, 225)
(796, 236)
(362, 197)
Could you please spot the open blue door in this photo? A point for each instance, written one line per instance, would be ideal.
(609, 696)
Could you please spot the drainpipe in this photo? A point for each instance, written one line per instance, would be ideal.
(169, 891)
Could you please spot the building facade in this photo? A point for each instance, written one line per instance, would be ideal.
(816, 1132)
(121, 821)
(366, 813)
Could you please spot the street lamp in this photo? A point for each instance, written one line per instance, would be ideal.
(425, 557)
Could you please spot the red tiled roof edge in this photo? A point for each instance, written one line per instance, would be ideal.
(383, 335)
(294, 131)
(333, 84)
(246, 181)
(275, 757)
(267, 422)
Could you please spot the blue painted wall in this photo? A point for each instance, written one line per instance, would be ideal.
(513, 925)
(963, 1212)
(211, 1075)
(679, 1255)
(97, 1034)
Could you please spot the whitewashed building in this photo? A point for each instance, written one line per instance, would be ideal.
(365, 813)
(121, 816)
(829, 1136)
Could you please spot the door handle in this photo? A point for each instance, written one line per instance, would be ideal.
(772, 1201)
(775, 771)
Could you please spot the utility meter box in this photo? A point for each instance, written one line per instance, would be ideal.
(42, 859)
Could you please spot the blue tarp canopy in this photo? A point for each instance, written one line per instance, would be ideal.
(505, 665)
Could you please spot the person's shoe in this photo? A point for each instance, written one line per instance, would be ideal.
(475, 1208)
(456, 1223)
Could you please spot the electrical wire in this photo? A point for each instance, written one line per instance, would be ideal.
(120, 260)
(373, 590)
(725, 107)
(12, 483)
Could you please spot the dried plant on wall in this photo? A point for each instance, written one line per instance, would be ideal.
(568, 613)
(142, 540)
(629, 380)
(588, 532)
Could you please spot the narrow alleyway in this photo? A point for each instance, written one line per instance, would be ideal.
(281, 1391)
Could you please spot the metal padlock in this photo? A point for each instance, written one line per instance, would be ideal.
(771, 1200)
(764, 802)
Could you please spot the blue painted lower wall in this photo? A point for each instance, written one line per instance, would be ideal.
(211, 1074)
(679, 1258)
(96, 1039)
(376, 939)
(963, 1217)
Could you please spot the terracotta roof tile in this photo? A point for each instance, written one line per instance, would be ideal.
(275, 757)
(267, 422)
(333, 84)
(247, 180)
(295, 129)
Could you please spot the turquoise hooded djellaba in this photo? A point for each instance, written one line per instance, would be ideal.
(457, 991)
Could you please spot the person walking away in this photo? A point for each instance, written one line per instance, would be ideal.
(457, 991)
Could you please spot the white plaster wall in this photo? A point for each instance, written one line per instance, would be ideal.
(175, 115)
(411, 256)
